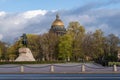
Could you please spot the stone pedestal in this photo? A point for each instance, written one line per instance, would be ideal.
(25, 54)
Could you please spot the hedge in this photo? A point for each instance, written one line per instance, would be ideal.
(113, 63)
(32, 62)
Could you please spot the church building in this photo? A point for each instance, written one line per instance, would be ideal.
(57, 26)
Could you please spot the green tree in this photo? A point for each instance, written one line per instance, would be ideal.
(111, 46)
(87, 45)
(12, 52)
(98, 44)
(65, 47)
(0, 52)
(33, 44)
(78, 33)
(49, 44)
(3, 50)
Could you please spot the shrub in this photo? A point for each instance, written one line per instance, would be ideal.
(113, 63)
(31, 62)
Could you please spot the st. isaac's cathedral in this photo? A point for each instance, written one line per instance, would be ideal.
(57, 26)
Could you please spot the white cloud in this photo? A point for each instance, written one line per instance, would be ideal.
(34, 13)
(39, 21)
(91, 29)
(2, 13)
(15, 24)
(1, 36)
(86, 19)
(104, 27)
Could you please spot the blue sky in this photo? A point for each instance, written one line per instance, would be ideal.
(36, 16)
(24, 5)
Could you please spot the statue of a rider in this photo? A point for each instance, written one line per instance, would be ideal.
(24, 40)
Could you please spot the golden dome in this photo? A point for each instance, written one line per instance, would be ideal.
(57, 22)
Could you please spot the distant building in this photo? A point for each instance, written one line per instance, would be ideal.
(57, 26)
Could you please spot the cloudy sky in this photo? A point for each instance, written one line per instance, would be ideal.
(36, 16)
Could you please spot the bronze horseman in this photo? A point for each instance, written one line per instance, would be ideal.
(24, 40)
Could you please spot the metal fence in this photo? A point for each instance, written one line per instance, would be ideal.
(58, 68)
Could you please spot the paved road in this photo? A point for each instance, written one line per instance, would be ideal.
(59, 76)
